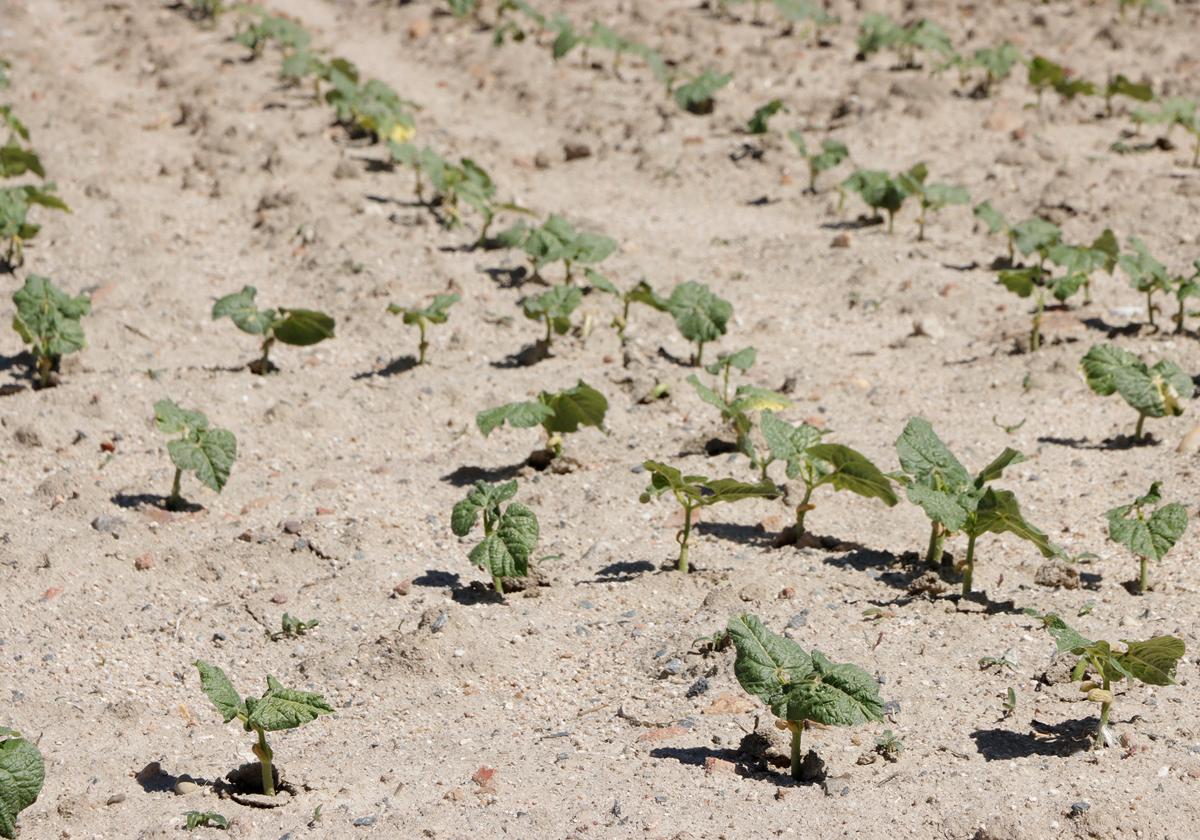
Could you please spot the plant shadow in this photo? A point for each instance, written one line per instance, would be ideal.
(664, 353)
(746, 534)
(624, 571)
(1118, 442)
(508, 278)
(467, 476)
(859, 223)
(1109, 330)
(527, 356)
(1061, 739)
(154, 779)
(137, 501)
(746, 765)
(403, 364)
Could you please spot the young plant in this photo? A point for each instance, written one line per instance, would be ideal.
(293, 628)
(879, 32)
(799, 686)
(22, 773)
(742, 359)
(1146, 274)
(996, 63)
(556, 240)
(558, 414)
(1150, 391)
(1184, 287)
(759, 122)
(1045, 75)
(1175, 111)
(1121, 85)
(298, 327)
(697, 491)
(1151, 662)
(696, 96)
(204, 819)
(931, 196)
(207, 452)
(17, 158)
(553, 308)
(736, 412)
(48, 319)
(279, 708)
(435, 313)
(509, 533)
(1150, 536)
(818, 464)
(268, 28)
(699, 314)
(956, 502)
(1033, 234)
(832, 153)
(1080, 262)
(806, 12)
(879, 191)
(370, 108)
(641, 293)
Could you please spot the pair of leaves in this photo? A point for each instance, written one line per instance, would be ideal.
(760, 120)
(437, 312)
(510, 533)
(878, 189)
(553, 307)
(1151, 391)
(22, 773)
(1145, 273)
(557, 239)
(1044, 73)
(696, 95)
(831, 154)
(48, 318)
(1150, 536)
(373, 107)
(207, 452)
(204, 819)
(299, 327)
(746, 399)
(798, 685)
(819, 463)
(699, 491)
(558, 413)
(933, 196)
(278, 708)
(700, 315)
(1033, 234)
(1152, 661)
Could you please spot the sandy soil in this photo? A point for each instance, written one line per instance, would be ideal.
(192, 172)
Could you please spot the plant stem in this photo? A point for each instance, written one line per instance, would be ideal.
(45, 369)
(1143, 578)
(549, 331)
(174, 500)
(684, 535)
(1138, 434)
(263, 364)
(802, 509)
(699, 353)
(1104, 709)
(921, 225)
(937, 538)
(969, 570)
(1180, 315)
(498, 583)
(1035, 334)
(424, 345)
(1150, 307)
(891, 221)
(797, 754)
(725, 385)
(264, 755)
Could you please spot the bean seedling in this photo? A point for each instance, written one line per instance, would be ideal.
(1121, 85)
(832, 153)
(435, 313)
(279, 708)
(298, 327)
(22, 773)
(996, 63)
(699, 314)
(879, 191)
(1099, 665)
(17, 157)
(558, 414)
(641, 293)
(1045, 75)
(696, 95)
(292, 628)
(553, 308)
(207, 452)
(878, 32)
(1175, 111)
(1033, 234)
(509, 534)
(931, 196)
(760, 120)
(369, 108)
(955, 501)
(556, 239)
(1150, 391)
(1146, 274)
(1148, 536)
(818, 464)
(697, 491)
(746, 399)
(48, 319)
(204, 819)
(799, 686)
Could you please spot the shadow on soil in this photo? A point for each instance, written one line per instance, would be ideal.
(1045, 739)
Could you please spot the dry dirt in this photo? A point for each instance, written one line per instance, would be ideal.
(192, 172)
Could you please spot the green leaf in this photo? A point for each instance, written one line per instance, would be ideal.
(240, 308)
(1146, 274)
(998, 512)
(302, 327)
(787, 442)
(482, 498)
(923, 456)
(173, 420)
(48, 318)
(877, 189)
(1153, 661)
(1151, 538)
(767, 664)
(1120, 85)
(951, 510)
(835, 695)
(582, 405)
(1154, 392)
(204, 819)
(220, 691)
(696, 95)
(285, 708)
(436, 312)
(752, 398)
(998, 465)
(555, 306)
(851, 470)
(743, 360)
(718, 490)
(1035, 234)
(699, 314)
(16, 161)
(991, 217)
(759, 122)
(519, 415)
(209, 453)
(506, 551)
(22, 773)
(1065, 636)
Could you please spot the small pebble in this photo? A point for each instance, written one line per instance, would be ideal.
(115, 799)
(364, 821)
(184, 786)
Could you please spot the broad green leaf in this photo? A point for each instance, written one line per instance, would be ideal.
(759, 122)
(519, 415)
(1120, 85)
(220, 691)
(696, 96)
(173, 420)
(1035, 234)
(878, 190)
(302, 327)
(48, 318)
(700, 315)
(1065, 636)
(591, 248)
(854, 472)
(1146, 274)
(998, 512)
(285, 708)
(437, 312)
(241, 309)
(482, 498)
(923, 456)
(787, 442)
(601, 283)
(834, 695)
(999, 464)
(16, 161)
(945, 195)
(210, 454)
(22, 773)
(720, 490)
(1154, 392)
(951, 510)
(582, 405)
(767, 664)
(991, 217)
(743, 360)
(505, 552)
(1022, 281)
(1152, 537)
(1153, 661)
(555, 306)
(752, 398)
(1104, 364)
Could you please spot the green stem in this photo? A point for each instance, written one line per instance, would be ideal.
(921, 225)
(684, 535)
(725, 385)
(797, 754)
(1150, 307)
(1143, 577)
(802, 509)
(1180, 315)
(549, 331)
(1104, 709)
(699, 353)
(937, 538)
(891, 221)
(498, 584)
(263, 364)
(1035, 334)
(264, 754)
(175, 500)
(969, 570)
(45, 370)
(423, 346)
(1137, 432)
